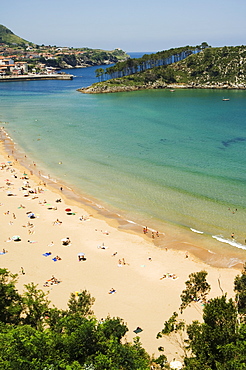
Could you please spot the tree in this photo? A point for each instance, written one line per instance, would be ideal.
(54, 319)
(240, 289)
(171, 325)
(197, 288)
(51, 338)
(99, 74)
(210, 341)
(174, 329)
(36, 306)
(10, 300)
(113, 328)
(204, 45)
(81, 304)
(219, 342)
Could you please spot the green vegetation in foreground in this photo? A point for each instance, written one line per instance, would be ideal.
(35, 336)
(219, 343)
(223, 67)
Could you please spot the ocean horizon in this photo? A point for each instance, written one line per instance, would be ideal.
(155, 157)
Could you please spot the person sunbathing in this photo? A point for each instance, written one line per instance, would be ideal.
(66, 242)
(112, 291)
(57, 222)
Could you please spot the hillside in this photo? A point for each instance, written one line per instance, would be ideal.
(84, 57)
(223, 67)
(9, 38)
(38, 56)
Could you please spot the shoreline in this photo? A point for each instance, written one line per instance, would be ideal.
(104, 88)
(118, 255)
(174, 237)
(56, 76)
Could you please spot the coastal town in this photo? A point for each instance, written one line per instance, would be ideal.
(17, 62)
(14, 71)
(20, 59)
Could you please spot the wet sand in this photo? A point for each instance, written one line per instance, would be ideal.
(117, 255)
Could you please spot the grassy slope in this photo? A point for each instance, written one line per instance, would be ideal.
(213, 66)
(8, 37)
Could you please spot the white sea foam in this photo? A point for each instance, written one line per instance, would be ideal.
(99, 206)
(109, 167)
(233, 243)
(196, 231)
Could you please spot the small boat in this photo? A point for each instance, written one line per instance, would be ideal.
(225, 99)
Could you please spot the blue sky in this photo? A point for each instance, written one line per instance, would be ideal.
(131, 25)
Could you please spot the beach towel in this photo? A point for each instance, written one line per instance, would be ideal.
(47, 254)
(138, 330)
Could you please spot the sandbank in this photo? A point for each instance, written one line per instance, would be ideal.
(114, 256)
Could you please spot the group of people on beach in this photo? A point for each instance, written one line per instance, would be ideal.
(153, 234)
(169, 276)
(52, 281)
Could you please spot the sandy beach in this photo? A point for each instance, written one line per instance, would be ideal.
(129, 263)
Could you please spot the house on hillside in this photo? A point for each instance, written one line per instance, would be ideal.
(5, 61)
(5, 65)
(8, 66)
(19, 68)
(3, 70)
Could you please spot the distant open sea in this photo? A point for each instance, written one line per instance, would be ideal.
(155, 157)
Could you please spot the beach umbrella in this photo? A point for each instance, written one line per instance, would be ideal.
(81, 254)
(64, 240)
(176, 365)
(16, 238)
(68, 210)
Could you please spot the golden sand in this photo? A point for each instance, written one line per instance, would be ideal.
(128, 262)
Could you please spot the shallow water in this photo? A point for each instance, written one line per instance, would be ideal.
(151, 156)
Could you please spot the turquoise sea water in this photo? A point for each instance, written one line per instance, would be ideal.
(151, 156)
